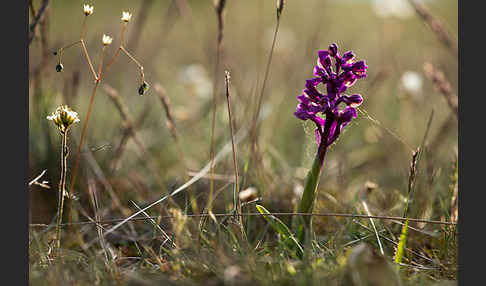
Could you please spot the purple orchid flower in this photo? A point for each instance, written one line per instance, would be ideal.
(324, 110)
(337, 79)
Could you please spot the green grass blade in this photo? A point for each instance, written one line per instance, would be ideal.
(280, 227)
(401, 244)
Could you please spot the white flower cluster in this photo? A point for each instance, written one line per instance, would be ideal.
(63, 117)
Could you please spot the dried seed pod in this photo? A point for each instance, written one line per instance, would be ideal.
(143, 88)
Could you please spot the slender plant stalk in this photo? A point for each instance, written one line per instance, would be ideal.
(365, 205)
(411, 187)
(62, 186)
(254, 131)
(280, 6)
(308, 197)
(236, 189)
(219, 10)
(98, 78)
(81, 141)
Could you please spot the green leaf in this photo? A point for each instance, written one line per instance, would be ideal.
(279, 227)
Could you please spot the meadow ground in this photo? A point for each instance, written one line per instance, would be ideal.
(136, 149)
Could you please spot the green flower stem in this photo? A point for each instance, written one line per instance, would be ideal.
(308, 197)
(62, 186)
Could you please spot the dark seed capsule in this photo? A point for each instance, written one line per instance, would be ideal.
(143, 88)
(54, 53)
(59, 68)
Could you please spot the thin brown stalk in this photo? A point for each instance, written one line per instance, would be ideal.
(112, 60)
(443, 85)
(81, 141)
(265, 78)
(98, 79)
(436, 26)
(164, 100)
(236, 190)
(219, 6)
(165, 104)
(140, 67)
(100, 64)
(88, 59)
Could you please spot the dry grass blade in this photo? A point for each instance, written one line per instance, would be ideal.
(374, 227)
(94, 202)
(242, 133)
(164, 100)
(396, 244)
(155, 224)
(36, 180)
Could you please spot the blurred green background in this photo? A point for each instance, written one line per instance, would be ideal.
(176, 45)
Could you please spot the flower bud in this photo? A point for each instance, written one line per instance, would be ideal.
(143, 88)
(59, 67)
(126, 16)
(106, 40)
(333, 50)
(88, 10)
